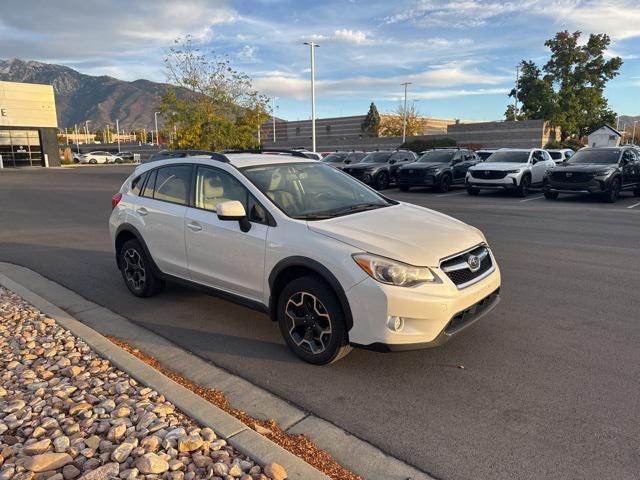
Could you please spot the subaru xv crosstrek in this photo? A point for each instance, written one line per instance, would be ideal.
(334, 262)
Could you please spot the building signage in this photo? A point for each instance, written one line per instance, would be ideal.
(3, 112)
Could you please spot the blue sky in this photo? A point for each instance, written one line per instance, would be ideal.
(459, 55)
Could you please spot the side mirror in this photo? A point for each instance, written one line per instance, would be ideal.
(233, 210)
(347, 161)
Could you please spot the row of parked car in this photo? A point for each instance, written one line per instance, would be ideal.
(101, 157)
(606, 171)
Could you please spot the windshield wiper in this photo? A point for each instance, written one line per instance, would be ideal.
(361, 207)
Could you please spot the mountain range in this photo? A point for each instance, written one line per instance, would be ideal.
(81, 97)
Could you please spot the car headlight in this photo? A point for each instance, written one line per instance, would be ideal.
(514, 171)
(392, 272)
(603, 173)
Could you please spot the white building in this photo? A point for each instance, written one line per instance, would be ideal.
(605, 136)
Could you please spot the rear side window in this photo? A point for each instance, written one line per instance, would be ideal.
(137, 183)
(172, 184)
(148, 188)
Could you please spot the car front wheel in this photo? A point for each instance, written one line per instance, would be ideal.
(523, 188)
(613, 192)
(312, 321)
(382, 181)
(445, 184)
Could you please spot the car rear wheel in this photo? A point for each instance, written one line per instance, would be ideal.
(93, 161)
(523, 188)
(445, 184)
(613, 192)
(473, 191)
(382, 181)
(136, 270)
(551, 195)
(312, 321)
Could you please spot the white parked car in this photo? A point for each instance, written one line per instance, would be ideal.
(512, 169)
(560, 155)
(334, 262)
(100, 157)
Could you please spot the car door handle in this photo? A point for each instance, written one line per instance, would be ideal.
(142, 211)
(194, 226)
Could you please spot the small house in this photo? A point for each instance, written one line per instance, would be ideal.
(605, 136)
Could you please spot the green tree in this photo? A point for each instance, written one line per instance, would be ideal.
(210, 104)
(569, 90)
(371, 123)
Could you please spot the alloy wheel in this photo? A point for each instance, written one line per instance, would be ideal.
(134, 270)
(309, 324)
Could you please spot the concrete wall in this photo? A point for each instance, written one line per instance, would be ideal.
(522, 134)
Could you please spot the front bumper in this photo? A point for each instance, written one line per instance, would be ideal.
(427, 180)
(509, 182)
(432, 313)
(594, 185)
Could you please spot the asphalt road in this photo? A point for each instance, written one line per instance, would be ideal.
(550, 386)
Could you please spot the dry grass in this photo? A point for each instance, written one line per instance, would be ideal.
(299, 445)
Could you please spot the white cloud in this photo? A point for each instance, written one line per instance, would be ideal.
(248, 54)
(344, 35)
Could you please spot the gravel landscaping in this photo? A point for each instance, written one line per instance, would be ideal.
(66, 413)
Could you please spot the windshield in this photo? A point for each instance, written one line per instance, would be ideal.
(442, 156)
(556, 155)
(604, 156)
(313, 191)
(376, 157)
(484, 155)
(334, 158)
(509, 156)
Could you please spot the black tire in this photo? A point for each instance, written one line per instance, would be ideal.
(136, 270)
(523, 188)
(445, 183)
(473, 191)
(404, 188)
(551, 195)
(613, 192)
(382, 181)
(318, 333)
(93, 161)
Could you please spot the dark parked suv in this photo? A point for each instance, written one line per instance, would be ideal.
(603, 171)
(340, 160)
(379, 169)
(439, 169)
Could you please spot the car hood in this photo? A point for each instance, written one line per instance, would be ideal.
(425, 165)
(583, 167)
(403, 232)
(500, 166)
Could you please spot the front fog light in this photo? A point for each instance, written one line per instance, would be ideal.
(395, 324)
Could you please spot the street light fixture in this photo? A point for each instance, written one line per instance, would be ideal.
(155, 117)
(312, 47)
(118, 132)
(404, 112)
(273, 116)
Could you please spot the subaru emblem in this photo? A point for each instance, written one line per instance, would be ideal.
(474, 263)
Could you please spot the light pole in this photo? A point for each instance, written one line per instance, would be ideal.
(273, 116)
(86, 130)
(118, 130)
(515, 100)
(633, 135)
(404, 112)
(312, 47)
(155, 117)
(77, 142)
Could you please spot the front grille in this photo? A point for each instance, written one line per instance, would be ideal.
(412, 172)
(459, 270)
(571, 177)
(488, 174)
(470, 314)
(355, 172)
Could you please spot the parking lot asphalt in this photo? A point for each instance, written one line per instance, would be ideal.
(550, 384)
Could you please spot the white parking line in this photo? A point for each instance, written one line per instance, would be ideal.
(634, 205)
(532, 198)
(450, 194)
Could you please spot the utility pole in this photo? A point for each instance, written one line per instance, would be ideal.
(118, 130)
(273, 116)
(77, 142)
(515, 100)
(312, 46)
(86, 130)
(633, 137)
(404, 112)
(155, 116)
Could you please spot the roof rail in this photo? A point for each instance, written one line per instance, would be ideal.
(293, 153)
(219, 157)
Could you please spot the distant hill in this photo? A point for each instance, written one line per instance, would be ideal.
(81, 97)
(628, 121)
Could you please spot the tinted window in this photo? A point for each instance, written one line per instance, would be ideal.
(402, 156)
(484, 155)
(334, 158)
(376, 157)
(509, 156)
(595, 155)
(137, 183)
(148, 188)
(172, 184)
(556, 155)
(439, 156)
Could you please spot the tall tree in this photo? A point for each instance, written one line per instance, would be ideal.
(211, 105)
(569, 90)
(371, 123)
(391, 125)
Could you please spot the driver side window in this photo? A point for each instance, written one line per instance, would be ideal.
(215, 186)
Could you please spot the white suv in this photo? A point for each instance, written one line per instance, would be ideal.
(336, 263)
(510, 169)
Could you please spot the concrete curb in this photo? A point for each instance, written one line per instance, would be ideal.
(226, 426)
(354, 453)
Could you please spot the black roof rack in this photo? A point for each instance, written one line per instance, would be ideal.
(219, 157)
(293, 153)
